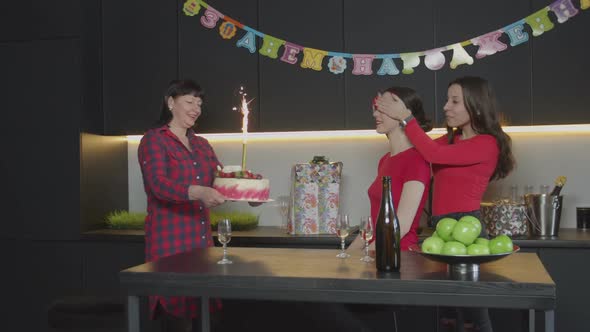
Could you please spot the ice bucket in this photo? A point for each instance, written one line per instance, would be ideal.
(543, 213)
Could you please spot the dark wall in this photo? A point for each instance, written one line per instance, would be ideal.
(99, 66)
(48, 67)
(538, 82)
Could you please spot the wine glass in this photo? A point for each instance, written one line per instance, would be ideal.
(224, 236)
(342, 230)
(366, 228)
(283, 204)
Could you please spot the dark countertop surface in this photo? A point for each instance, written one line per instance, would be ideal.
(275, 236)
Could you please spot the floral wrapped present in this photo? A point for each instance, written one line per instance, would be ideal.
(504, 217)
(315, 196)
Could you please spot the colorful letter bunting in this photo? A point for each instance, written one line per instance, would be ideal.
(362, 64)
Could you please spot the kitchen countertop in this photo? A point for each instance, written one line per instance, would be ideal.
(275, 236)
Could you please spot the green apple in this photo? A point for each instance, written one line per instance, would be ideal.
(501, 244)
(474, 221)
(435, 234)
(482, 240)
(444, 228)
(433, 245)
(464, 232)
(478, 249)
(454, 248)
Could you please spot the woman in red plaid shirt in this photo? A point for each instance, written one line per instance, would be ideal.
(178, 169)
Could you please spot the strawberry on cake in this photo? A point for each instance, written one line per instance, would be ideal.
(235, 184)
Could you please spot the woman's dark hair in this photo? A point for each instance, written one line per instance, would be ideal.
(177, 88)
(413, 102)
(480, 102)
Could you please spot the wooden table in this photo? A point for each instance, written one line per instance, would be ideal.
(518, 281)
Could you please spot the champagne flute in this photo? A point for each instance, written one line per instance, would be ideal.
(367, 235)
(342, 230)
(224, 236)
(283, 204)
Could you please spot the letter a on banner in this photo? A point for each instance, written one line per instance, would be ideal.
(388, 67)
(312, 58)
(248, 41)
(460, 56)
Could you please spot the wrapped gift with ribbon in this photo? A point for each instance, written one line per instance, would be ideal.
(315, 197)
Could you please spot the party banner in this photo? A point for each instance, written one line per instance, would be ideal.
(337, 63)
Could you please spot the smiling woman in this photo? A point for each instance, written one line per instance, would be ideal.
(178, 168)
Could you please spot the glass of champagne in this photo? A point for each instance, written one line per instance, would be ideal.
(342, 230)
(224, 236)
(366, 229)
(283, 204)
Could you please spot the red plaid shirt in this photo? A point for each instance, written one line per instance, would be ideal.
(174, 223)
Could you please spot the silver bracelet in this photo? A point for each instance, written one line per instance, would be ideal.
(403, 123)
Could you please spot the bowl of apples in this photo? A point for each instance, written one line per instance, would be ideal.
(457, 243)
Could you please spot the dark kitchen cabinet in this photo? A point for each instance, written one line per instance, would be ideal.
(560, 71)
(291, 97)
(541, 81)
(570, 271)
(221, 67)
(139, 58)
(360, 23)
(508, 71)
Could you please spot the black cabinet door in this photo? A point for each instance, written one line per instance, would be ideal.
(390, 29)
(561, 67)
(508, 71)
(570, 271)
(220, 66)
(292, 97)
(140, 57)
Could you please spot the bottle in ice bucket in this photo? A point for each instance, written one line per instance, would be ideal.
(387, 233)
(559, 183)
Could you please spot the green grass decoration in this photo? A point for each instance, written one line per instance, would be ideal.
(125, 220)
(240, 221)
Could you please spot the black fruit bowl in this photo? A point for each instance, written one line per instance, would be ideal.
(462, 263)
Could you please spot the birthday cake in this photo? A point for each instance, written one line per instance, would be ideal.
(235, 184)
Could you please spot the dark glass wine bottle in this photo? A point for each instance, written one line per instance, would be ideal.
(559, 183)
(387, 233)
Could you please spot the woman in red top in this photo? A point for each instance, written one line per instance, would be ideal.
(474, 151)
(178, 169)
(410, 173)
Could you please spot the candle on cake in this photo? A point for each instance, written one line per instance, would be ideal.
(245, 111)
(237, 183)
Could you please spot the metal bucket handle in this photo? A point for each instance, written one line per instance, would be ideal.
(555, 202)
(533, 221)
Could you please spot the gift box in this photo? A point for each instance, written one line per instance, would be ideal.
(315, 197)
(504, 217)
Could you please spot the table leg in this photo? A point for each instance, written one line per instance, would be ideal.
(205, 319)
(133, 313)
(549, 320)
(531, 320)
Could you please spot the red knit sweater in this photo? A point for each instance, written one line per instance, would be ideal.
(462, 170)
